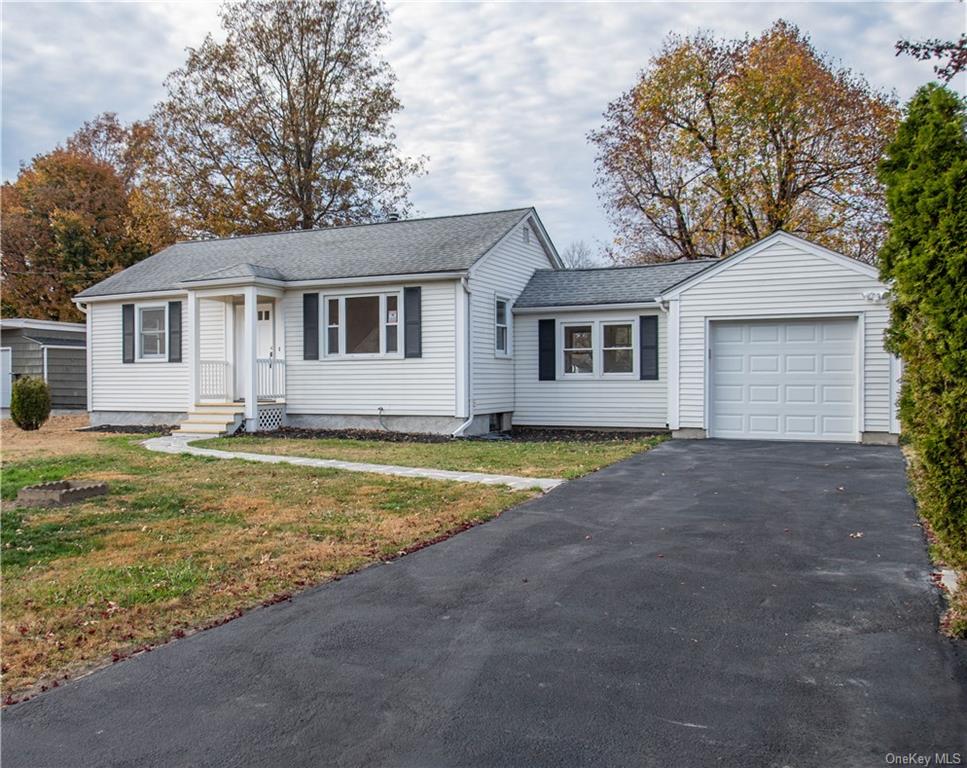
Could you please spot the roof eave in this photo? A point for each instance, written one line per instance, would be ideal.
(605, 306)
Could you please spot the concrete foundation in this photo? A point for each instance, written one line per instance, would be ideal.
(689, 433)
(135, 418)
(435, 425)
(879, 438)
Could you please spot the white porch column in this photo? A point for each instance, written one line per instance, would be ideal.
(193, 317)
(250, 374)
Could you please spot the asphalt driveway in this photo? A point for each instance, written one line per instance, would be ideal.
(701, 604)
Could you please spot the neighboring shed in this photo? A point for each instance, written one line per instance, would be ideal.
(53, 351)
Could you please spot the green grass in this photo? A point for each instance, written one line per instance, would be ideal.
(529, 459)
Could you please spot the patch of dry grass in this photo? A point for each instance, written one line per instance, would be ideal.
(58, 437)
(182, 541)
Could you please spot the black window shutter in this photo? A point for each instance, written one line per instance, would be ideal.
(546, 351)
(413, 321)
(127, 333)
(648, 342)
(174, 331)
(310, 326)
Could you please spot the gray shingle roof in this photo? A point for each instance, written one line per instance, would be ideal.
(443, 244)
(605, 285)
(241, 270)
(52, 341)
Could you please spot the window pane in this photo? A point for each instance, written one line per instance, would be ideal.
(362, 325)
(153, 319)
(150, 345)
(333, 311)
(502, 338)
(618, 361)
(577, 337)
(501, 313)
(333, 340)
(578, 362)
(392, 312)
(391, 338)
(617, 335)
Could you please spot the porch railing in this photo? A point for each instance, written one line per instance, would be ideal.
(271, 379)
(215, 380)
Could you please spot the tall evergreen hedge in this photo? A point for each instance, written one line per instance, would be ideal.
(925, 258)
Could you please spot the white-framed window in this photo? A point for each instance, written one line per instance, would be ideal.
(502, 339)
(618, 347)
(578, 349)
(365, 325)
(600, 348)
(152, 333)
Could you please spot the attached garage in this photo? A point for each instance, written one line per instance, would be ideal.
(792, 379)
(782, 341)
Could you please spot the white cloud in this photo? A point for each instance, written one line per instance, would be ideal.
(500, 96)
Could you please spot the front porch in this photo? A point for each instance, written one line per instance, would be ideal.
(236, 355)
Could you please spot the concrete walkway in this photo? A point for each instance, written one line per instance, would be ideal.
(181, 443)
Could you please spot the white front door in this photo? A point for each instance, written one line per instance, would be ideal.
(784, 379)
(6, 376)
(265, 330)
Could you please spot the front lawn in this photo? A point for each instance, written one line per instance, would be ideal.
(183, 541)
(567, 459)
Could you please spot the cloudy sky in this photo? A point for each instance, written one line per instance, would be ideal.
(499, 96)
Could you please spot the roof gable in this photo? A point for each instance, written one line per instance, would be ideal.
(762, 246)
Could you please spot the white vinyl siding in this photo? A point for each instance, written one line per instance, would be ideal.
(137, 386)
(502, 273)
(400, 386)
(783, 280)
(587, 401)
(212, 320)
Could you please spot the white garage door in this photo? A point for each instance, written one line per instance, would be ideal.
(784, 380)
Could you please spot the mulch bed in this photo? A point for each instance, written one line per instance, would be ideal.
(518, 435)
(134, 429)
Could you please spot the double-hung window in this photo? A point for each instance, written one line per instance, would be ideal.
(579, 349)
(617, 344)
(362, 324)
(152, 327)
(502, 327)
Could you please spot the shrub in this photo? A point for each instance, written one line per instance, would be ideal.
(925, 259)
(29, 402)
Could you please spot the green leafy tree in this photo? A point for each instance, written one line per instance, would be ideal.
(285, 123)
(925, 259)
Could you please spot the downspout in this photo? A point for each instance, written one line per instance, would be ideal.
(458, 432)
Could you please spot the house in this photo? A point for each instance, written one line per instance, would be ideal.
(53, 351)
(466, 324)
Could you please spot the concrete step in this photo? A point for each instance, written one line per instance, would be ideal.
(207, 429)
